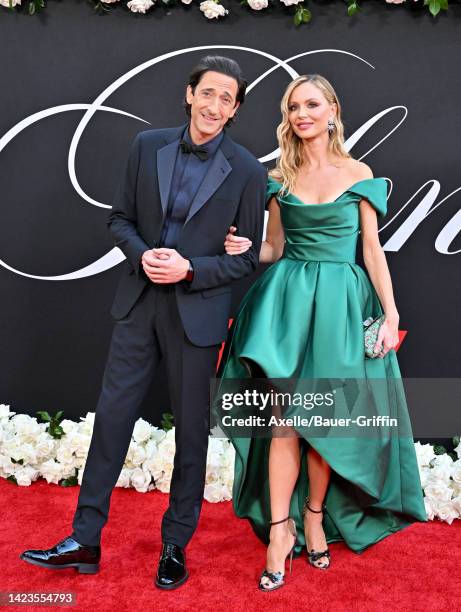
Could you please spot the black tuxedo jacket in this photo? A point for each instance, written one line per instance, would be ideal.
(232, 193)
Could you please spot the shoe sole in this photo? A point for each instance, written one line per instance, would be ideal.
(82, 568)
(170, 587)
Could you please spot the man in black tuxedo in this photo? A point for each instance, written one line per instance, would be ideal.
(182, 189)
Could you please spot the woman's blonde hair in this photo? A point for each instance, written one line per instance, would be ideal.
(291, 146)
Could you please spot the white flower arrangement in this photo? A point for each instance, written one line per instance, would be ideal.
(29, 451)
(139, 6)
(441, 481)
(258, 5)
(57, 449)
(212, 9)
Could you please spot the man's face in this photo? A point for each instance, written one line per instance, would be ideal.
(212, 103)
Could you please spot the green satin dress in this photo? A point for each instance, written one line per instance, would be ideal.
(303, 317)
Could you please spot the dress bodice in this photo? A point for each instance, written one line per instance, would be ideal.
(326, 231)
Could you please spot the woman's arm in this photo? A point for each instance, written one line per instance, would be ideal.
(271, 248)
(376, 265)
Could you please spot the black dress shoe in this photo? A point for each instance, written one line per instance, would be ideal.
(67, 553)
(172, 571)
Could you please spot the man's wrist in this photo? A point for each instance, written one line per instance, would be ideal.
(190, 272)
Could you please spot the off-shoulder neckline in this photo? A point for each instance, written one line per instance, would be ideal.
(375, 178)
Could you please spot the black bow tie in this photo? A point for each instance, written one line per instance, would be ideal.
(200, 152)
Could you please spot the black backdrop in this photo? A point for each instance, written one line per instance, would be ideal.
(55, 333)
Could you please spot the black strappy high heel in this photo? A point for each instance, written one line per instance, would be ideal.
(313, 556)
(277, 578)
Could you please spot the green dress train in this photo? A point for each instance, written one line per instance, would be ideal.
(303, 317)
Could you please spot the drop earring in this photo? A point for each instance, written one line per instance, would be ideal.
(331, 125)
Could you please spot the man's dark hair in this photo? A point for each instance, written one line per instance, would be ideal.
(224, 65)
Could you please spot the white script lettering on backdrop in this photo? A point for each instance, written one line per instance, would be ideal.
(426, 206)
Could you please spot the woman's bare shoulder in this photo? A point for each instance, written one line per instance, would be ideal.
(358, 170)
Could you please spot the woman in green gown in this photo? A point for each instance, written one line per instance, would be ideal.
(303, 319)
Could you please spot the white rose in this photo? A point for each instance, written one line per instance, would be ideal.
(186, 1)
(456, 471)
(258, 5)
(157, 435)
(5, 411)
(140, 480)
(142, 431)
(78, 442)
(44, 446)
(52, 471)
(164, 482)
(429, 508)
(212, 476)
(424, 453)
(151, 449)
(26, 452)
(226, 492)
(438, 492)
(443, 461)
(212, 10)
(64, 454)
(456, 486)
(439, 474)
(424, 475)
(80, 474)
(68, 425)
(156, 466)
(25, 475)
(140, 6)
(135, 455)
(87, 423)
(456, 501)
(124, 478)
(7, 467)
(290, 2)
(167, 446)
(7, 3)
(27, 427)
(213, 493)
(227, 476)
(395, 1)
(446, 511)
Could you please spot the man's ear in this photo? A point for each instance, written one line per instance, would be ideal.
(237, 104)
(189, 94)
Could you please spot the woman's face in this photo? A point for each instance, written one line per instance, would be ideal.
(309, 111)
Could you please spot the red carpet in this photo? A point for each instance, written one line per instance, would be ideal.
(414, 569)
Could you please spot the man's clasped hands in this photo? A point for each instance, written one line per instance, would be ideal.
(164, 265)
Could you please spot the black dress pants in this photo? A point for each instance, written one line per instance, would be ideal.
(152, 330)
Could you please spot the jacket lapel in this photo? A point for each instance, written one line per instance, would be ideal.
(219, 170)
(166, 158)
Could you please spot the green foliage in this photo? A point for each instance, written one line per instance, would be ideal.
(435, 6)
(72, 481)
(352, 7)
(167, 422)
(54, 428)
(302, 15)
